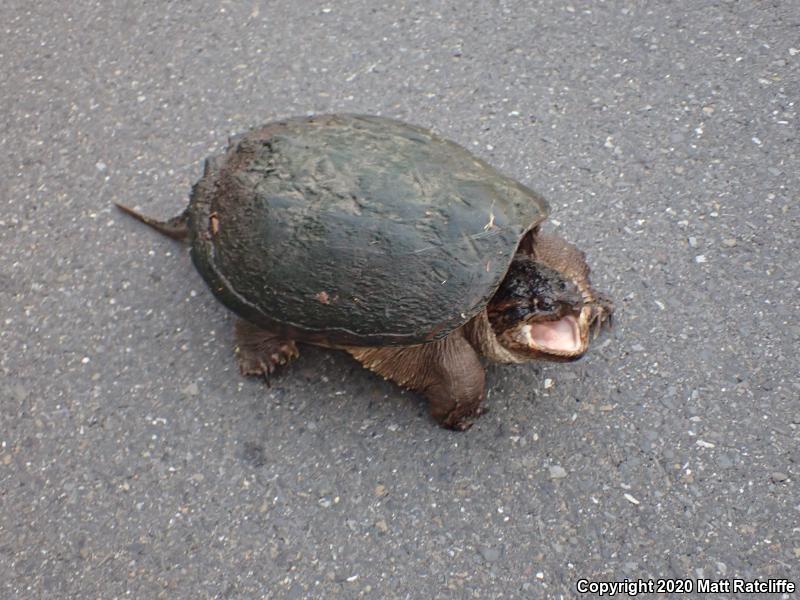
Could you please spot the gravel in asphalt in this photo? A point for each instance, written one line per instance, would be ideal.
(136, 462)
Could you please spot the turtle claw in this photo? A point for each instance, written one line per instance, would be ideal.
(260, 352)
(464, 422)
(602, 314)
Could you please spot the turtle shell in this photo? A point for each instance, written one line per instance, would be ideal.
(356, 230)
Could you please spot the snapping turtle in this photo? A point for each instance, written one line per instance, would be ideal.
(382, 239)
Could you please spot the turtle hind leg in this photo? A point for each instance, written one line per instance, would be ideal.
(259, 351)
(177, 227)
(447, 372)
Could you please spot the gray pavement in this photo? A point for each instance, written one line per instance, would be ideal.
(136, 462)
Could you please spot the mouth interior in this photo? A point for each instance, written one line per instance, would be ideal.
(562, 335)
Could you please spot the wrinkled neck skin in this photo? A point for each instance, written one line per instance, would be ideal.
(480, 335)
(545, 308)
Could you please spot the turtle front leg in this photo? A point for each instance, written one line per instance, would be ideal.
(447, 372)
(260, 351)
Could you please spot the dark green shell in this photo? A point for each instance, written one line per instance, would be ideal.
(356, 230)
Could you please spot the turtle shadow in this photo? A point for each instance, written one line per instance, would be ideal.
(329, 386)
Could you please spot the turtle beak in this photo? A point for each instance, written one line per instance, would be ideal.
(568, 336)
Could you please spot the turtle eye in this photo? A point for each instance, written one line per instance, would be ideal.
(543, 304)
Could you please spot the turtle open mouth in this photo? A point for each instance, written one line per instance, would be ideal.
(567, 336)
(561, 335)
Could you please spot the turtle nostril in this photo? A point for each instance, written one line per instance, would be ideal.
(572, 294)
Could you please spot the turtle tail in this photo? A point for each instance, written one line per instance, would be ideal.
(177, 227)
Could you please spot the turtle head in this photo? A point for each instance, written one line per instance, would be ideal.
(545, 307)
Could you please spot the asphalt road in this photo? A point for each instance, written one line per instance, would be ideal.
(136, 462)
